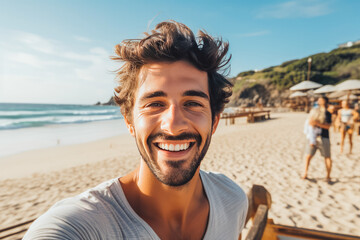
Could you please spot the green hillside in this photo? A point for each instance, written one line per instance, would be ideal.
(271, 83)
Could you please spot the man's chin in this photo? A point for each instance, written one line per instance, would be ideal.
(175, 165)
(175, 181)
(176, 174)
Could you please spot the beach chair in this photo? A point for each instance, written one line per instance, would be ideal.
(265, 229)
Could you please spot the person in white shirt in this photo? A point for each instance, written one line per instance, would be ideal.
(312, 132)
(171, 94)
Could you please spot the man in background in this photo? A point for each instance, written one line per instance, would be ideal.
(322, 141)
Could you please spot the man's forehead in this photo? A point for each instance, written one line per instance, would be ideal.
(180, 68)
(166, 76)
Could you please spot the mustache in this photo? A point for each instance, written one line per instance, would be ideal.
(182, 136)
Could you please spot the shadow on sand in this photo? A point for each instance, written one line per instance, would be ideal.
(352, 179)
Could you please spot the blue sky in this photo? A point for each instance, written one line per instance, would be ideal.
(58, 51)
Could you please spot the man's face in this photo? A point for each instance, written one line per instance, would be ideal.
(172, 121)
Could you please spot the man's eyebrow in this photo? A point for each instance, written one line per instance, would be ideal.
(196, 93)
(153, 95)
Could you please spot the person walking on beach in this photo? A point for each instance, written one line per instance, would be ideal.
(322, 141)
(346, 117)
(171, 95)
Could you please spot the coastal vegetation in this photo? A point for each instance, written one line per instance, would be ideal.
(271, 84)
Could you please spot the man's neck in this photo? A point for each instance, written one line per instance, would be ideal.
(164, 207)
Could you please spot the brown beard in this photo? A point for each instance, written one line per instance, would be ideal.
(179, 176)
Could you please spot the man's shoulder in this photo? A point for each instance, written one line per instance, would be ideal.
(228, 204)
(75, 217)
(92, 198)
(223, 185)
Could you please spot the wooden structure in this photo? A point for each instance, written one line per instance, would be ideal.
(15, 232)
(300, 104)
(265, 229)
(252, 116)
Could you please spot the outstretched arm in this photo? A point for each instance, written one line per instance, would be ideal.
(320, 125)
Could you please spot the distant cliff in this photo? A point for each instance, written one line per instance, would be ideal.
(111, 102)
(270, 85)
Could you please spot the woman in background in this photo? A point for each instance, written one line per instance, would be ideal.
(346, 117)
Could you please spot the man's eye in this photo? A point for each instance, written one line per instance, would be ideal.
(193, 104)
(155, 104)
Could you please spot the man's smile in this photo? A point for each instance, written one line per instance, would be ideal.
(174, 146)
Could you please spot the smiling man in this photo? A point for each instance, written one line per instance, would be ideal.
(171, 95)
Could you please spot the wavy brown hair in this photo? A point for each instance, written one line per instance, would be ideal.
(171, 41)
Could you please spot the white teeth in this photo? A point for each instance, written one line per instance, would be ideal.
(177, 147)
(174, 148)
(164, 146)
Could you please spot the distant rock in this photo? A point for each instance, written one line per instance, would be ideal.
(111, 102)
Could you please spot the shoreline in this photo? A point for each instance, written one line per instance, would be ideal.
(22, 140)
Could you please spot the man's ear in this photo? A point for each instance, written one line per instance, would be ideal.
(216, 122)
(129, 126)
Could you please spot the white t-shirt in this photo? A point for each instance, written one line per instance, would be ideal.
(103, 212)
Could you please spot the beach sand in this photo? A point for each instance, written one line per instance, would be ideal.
(268, 153)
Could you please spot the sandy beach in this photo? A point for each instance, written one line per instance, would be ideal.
(268, 153)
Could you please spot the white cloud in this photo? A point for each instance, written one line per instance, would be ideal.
(96, 55)
(82, 39)
(255, 34)
(36, 42)
(296, 9)
(36, 89)
(35, 69)
(100, 65)
(33, 60)
(99, 51)
(26, 58)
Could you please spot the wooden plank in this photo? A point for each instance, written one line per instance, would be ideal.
(17, 225)
(15, 230)
(259, 223)
(251, 116)
(256, 196)
(14, 234)
(261, 196)
(307, 234)
(251, 210)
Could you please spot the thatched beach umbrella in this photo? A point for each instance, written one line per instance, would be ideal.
(350, 97)
(297, 94)
(336, 94)
(348, 85)
(305, 85)
(326, 89)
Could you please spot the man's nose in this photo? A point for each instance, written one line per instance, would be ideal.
(173, 120)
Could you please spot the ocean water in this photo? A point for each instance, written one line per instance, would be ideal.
(16, 115)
